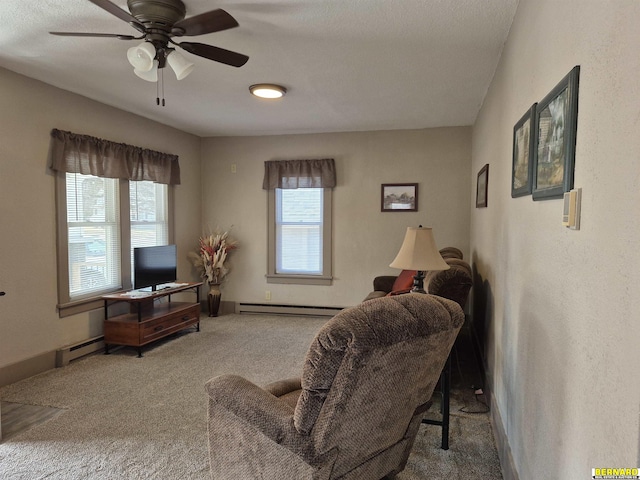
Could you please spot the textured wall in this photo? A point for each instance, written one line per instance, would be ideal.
(560, 307)
(29, 323)
(365, 240)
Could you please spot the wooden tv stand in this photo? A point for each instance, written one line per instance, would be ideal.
(147, 321)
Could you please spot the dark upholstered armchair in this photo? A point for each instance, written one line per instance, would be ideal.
(366, 382)
(454, 283)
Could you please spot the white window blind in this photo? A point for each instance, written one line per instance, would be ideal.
(93, 234)
(94, 229)
(299, 227)
(148, 213)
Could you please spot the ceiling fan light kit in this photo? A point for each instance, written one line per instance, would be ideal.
(180, 65)
(150, 75)
(267, 90)
(142, 56)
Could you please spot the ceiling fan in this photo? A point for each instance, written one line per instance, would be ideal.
(158, 22)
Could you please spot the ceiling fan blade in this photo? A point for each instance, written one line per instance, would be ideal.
(113, 9)
(215, 53)
(112, 35)
(213, 21)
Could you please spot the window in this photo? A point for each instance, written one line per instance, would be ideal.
(299, 231)
(102, 220)
(148, 213)
(93, 234)
(110, 197)
(299, 206)
(300, 236)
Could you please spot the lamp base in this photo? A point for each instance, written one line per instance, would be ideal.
(418, 283)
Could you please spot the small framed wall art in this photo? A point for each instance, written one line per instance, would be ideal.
(556, 122)
(399, 197)
(524, 135)
(482, 187)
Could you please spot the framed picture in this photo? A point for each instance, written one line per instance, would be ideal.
(523, 143)
(482, 187)
(399, 197)
(556, 121)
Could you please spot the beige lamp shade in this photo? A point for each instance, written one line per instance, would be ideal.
(419, 252)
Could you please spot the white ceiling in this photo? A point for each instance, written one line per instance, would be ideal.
(348, 65)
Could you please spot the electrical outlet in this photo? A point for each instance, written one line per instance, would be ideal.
(267, 295)
(233, 168)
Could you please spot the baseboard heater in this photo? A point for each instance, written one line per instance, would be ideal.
(66, 354)
(302, 310)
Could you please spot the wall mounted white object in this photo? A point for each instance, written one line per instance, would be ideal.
(571, 209)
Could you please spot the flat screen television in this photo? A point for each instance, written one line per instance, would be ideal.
(153, 266)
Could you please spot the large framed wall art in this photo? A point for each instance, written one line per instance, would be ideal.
(524, 141)
(556, 122)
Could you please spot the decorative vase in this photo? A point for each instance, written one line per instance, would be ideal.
(214, 299)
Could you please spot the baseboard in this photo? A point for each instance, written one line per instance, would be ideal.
(285, 309)
(27, 368)
(509, 471)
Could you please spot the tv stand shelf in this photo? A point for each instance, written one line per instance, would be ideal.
(147, 320)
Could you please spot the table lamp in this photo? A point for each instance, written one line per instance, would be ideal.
(419, 252)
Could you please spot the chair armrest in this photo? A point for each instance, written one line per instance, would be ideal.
(241, 409)
(282, 387)
(252, 404)
(384, 283)
(260, 409)
(399, 292)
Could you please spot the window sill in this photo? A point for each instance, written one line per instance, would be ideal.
(300, 279)
(83, 305)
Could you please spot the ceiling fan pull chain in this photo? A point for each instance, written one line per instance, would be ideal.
(162, 77)
(160, 87)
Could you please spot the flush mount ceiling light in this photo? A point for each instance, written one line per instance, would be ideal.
(267, 90)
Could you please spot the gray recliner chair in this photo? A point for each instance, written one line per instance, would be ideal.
(367, 379)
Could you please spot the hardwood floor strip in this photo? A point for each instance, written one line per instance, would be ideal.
(18, 417)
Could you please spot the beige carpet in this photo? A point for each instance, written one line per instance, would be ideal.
(131, 418)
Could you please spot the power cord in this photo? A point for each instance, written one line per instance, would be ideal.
(479, 394)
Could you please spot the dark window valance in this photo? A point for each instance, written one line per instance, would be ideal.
(299, 174)
(75, 153)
